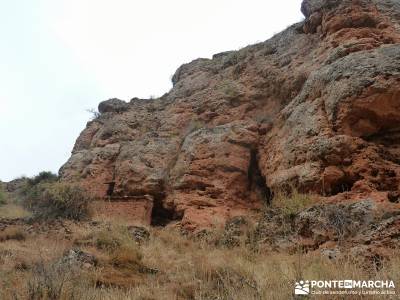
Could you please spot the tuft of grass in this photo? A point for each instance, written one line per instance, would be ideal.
(12, 233)
(117, 242)
(107, 240)
(120, 258)
(127, 256)
(186, 269)
(120, 244)
(293, 202)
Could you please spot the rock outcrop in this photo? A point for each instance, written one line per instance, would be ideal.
(316, 107)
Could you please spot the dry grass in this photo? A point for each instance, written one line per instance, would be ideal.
(20, 261)
(292, 202)
(12, 233)
(13, 211)
(168, 266)
(9, 208)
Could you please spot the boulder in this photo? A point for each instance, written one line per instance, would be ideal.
(113, 105)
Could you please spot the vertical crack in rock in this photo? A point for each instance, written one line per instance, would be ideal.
(110, 189)
(256, 181)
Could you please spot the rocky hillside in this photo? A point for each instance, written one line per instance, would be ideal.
(316, 107)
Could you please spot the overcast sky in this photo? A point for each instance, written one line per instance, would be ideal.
(59, 58)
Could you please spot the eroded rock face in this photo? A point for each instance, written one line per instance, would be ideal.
(317, 107)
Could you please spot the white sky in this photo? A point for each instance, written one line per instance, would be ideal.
(59, 58)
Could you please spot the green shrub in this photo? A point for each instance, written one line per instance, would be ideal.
(57, 200)
(44, 176)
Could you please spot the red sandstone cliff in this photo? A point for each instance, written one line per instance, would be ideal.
(316, 107)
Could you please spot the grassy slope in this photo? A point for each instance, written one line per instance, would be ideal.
(180, 268)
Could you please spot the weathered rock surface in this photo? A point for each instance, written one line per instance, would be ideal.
(316, 107)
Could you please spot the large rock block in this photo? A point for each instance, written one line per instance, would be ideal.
(316, 107)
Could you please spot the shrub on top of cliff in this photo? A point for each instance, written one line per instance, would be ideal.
(94, 113)
(50, 200)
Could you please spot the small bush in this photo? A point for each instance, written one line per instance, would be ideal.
(51, 281)
(58, 200)
(94, 113)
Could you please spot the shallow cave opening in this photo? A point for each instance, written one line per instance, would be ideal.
(343, 186)
(256, 180)
(161, 216)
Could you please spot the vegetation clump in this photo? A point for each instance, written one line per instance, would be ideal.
(291, 203)
(49, 199)
(44, 176)
(59, 200)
